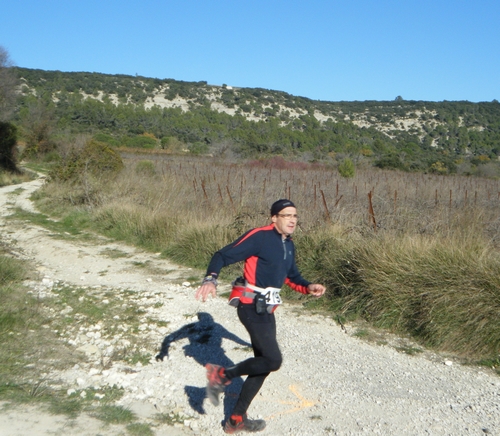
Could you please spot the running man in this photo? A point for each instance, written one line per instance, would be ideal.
(269, 255)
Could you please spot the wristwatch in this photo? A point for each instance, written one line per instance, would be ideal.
(211, 278)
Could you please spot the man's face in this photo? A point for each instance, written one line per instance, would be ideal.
(285, 221)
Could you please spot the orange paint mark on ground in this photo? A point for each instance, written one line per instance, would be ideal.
(297, 405)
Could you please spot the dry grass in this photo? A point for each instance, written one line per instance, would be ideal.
(8, 178)
(426, 260)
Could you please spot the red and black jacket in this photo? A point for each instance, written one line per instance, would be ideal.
(269, 259)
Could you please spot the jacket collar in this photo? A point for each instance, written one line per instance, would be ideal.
(288, 237)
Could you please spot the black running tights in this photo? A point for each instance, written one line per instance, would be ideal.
(262, 331)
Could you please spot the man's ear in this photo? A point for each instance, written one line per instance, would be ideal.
(274, 218)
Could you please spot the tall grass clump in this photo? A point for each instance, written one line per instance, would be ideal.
(8, 178)
(11, 270)
(14, 310)
(444, 291)
(195, 247)
(129, 223)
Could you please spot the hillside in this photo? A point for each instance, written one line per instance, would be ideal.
(202, 118)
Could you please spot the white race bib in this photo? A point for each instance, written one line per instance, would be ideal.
(273, 296)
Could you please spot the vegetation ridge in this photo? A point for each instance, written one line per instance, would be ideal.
(135, 111)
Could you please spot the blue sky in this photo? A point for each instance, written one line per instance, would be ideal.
(333, 50)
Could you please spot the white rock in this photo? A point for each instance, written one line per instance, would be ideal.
(47, 282)
(88, 349)
(67, 310)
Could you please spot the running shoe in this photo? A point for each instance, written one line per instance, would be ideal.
(217, 382)
(236, 424)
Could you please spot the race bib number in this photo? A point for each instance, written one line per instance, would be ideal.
(273, 297)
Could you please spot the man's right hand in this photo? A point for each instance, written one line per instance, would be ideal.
(205, 290)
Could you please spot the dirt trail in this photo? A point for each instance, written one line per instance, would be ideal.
(330, 382)
(79, 264)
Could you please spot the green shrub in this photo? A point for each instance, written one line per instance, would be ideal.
(107, 139)
(346, 168)
(51, 156)
(198, 148)
(140, 141)
(94, 158)
(145, 167)
(171, 143)
(391, 161)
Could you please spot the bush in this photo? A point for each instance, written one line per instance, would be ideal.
(438, 168)
(346, 168)
(106, 139)
(145, 167)
(198, 148)
(94, 158)
(140, 141)
(391, 161)
(171, 143)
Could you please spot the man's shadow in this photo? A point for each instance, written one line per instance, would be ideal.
(205, 346)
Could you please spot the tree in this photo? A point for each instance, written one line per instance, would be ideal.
(37, 120)
(8, 141)
(8, 132)
(8, 84)
(347, 168)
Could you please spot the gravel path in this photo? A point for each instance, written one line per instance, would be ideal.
(330, 382)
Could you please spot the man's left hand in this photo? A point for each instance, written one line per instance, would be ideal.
(316, 289)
